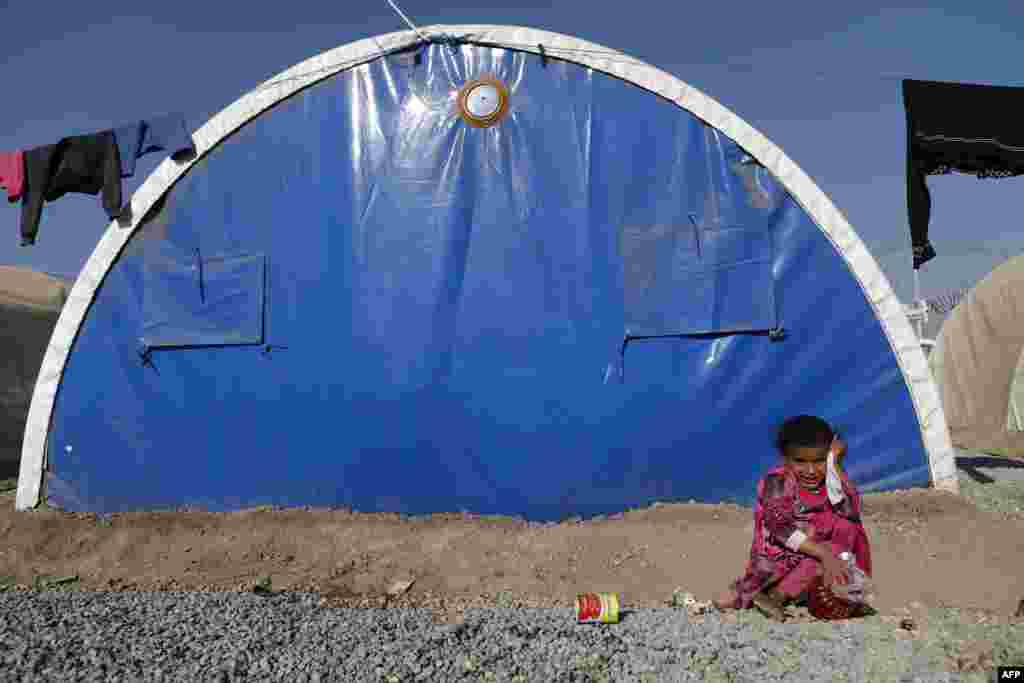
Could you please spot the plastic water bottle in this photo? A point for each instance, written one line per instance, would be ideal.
(858, 588)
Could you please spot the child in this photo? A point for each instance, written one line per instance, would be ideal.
(798, 531)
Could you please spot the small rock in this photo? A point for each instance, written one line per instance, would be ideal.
(907, 624)
(1020, 609)
(682, 599)
(399, 587)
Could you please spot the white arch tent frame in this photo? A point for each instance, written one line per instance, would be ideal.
(876, 287)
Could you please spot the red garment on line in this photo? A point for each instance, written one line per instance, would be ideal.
(12, 174)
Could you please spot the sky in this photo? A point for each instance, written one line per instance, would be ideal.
(821, 80)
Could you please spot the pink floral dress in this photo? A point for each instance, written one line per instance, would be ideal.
(784, 516)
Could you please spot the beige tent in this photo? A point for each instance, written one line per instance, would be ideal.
(978, 366)
(29, 305)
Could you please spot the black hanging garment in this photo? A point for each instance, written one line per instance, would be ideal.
(85, 164)
(975, 129)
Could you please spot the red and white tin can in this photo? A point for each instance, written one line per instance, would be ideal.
(597, 608)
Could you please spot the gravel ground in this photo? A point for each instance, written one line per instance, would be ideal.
(999, 497)
(65, 633)
(85, 636)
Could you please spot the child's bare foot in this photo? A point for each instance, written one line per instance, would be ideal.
(770, 604)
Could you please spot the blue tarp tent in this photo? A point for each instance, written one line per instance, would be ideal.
(576, 286)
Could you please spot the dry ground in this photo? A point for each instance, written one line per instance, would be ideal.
(930, 549)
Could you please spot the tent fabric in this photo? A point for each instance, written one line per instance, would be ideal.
(959, 127)
(976, 363)
(939, 307)
(1015, 407)
(29, 304)
(189, 300)
(441, 304)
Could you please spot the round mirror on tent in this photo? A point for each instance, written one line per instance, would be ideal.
(483, 102)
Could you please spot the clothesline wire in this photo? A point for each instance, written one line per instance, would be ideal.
(1008, 251)
(382, 52)
(335, 66)
(609, 55)
(406, 19)
(549, 50)
(619, 57)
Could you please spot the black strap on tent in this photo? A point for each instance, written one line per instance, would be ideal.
(696, 232)
(199, 265)
(622, 358)
(146, 355)
(270, 348)
(618, 367)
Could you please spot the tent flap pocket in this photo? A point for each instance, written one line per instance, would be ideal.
(720, 281)
(191, 300)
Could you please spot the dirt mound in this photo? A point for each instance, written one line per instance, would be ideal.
(929, 548)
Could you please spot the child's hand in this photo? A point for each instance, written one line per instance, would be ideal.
(838, 449)
(835, 570)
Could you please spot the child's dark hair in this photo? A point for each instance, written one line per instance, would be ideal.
(803, 430)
